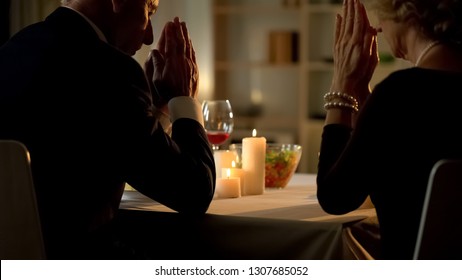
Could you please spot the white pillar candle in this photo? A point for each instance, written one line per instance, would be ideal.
(223, 159)
(234, 172)
(253, 164)
(228, 187)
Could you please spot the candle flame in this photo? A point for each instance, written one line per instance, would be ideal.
(233, 164)
(228, 172)
(254, 132)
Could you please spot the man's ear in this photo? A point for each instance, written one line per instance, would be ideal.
(117, 5)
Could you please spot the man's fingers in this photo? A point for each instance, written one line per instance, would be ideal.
(158, 63)
(170, 39)
(187, 40)
(148, 64)
(193, 52)
(161, 44)
(180, 37)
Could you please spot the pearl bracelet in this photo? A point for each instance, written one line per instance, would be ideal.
(333, 96)
(341, 105)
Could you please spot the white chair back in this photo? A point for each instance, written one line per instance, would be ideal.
(440, 231)
(20, 229)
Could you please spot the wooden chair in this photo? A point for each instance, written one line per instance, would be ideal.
(440, 231)
(20, 229)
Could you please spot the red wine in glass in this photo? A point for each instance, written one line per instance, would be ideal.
(217, 138)
(218, 121)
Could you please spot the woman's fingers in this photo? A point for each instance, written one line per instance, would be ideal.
(374, 54)
(338, 27)
(349, 18)
(355, 47)
(359, 29)
(364, 15)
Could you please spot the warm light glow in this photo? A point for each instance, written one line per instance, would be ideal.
(256, 97)
(228, 172)
(233, 164)
(254, 132)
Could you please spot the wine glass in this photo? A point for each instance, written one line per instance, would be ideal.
(218, 121)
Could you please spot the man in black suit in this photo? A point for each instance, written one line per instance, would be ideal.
(93, 120)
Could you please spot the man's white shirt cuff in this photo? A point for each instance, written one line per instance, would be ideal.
(185, 107)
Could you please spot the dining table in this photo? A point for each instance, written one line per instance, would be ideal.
(281, 223)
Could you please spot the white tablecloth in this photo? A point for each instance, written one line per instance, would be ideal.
(279, 224)
(295, 202)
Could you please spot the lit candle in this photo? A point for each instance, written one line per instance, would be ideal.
(227, 187)
(253, 163)
(223, 159)
(234, 172)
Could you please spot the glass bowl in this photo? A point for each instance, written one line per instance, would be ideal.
(281, 162)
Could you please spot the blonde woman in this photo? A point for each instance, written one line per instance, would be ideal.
(384, 142)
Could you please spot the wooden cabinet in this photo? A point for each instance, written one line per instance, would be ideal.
(273, 61)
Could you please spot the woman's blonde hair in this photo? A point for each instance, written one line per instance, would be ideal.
(437, 19)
